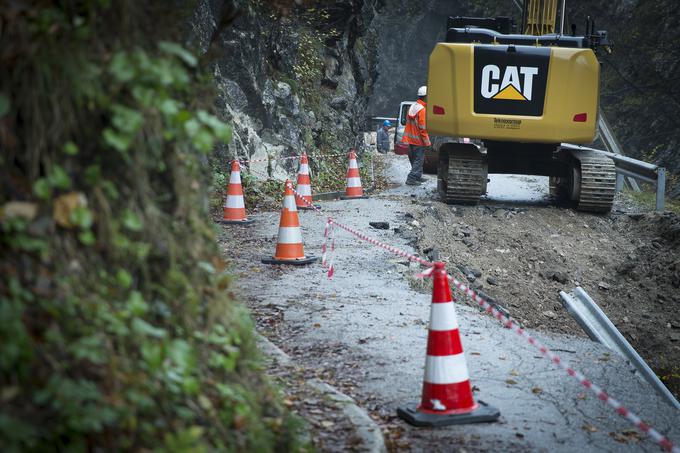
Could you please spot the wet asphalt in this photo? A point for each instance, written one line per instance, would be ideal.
(371, 310)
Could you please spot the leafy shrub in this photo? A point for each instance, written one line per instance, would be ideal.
(117, 327)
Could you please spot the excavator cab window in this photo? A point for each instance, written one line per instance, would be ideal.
(402, 114)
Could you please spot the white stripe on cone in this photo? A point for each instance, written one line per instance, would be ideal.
(353, 163)
(289, 203)
(290, 235)
(448, 369)
(235, 177)
(304, 169)
(354, 182)
(443, 317)
(304, 189)
(234, 201)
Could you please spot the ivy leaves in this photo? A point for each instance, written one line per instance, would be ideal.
(157, 84)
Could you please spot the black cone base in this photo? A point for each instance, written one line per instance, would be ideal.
(484, 413)
(237, 222)
(300, 262)
(345, 197)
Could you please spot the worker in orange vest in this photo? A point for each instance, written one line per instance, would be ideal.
(417, 138)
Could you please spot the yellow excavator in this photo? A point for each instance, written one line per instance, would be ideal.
(506, 102)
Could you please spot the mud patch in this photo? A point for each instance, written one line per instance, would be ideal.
(522, 257)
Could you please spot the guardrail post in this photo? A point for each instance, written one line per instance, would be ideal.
(619, 182)
(660, 188)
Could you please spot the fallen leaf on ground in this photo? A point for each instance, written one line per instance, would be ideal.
(536, 390)
(589, 428)
(628, 435)
(511, 381)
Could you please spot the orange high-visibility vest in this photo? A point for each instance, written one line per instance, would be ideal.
(415, 132)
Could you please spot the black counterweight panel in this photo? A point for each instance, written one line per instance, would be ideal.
(510, 80)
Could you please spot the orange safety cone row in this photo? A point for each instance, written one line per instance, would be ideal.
(234, 205)
(353, 189)
(304, 184)
(289, 248)
(447, 395)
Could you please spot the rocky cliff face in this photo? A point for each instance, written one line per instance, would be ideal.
(640, 78)
(291, 79)
(306, 76)
(407, 32)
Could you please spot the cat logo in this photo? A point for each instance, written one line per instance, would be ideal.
(509, 87)
(510, 80)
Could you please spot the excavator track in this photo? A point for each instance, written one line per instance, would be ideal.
(465, 173)
(597, 181)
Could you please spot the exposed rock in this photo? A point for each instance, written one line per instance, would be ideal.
(282, 90)
(275, 73)
(549, 314)
(556, 275)
(339, 103)
(380, 225)
(432, 253)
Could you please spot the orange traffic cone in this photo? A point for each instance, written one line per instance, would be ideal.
(447, 396)
(289, 248)
(234, 206)
(353, 189)
(304, 184)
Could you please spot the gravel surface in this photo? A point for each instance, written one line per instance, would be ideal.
(364, 331)
(522, 256)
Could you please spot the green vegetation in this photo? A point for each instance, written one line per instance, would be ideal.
(264, 192)
(648, 199)
(117, 327)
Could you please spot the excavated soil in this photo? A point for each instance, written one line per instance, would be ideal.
(521, 257)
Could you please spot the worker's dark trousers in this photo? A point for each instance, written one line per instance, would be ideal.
(416, 155)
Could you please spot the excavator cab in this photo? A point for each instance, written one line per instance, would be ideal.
(517, 97)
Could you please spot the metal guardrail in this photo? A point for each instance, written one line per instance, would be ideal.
(612, 144)
(599, 328)
(633, 168)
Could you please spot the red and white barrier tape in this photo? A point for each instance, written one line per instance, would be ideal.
(387, 247)
(311, 156)
(662, 440)
(325, 239)
(320, 156)
(325, 263)
(309, 205)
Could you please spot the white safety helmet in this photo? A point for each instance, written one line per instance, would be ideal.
(422, 91)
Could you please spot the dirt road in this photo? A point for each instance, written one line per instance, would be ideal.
(365, 330)
(522, 253)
